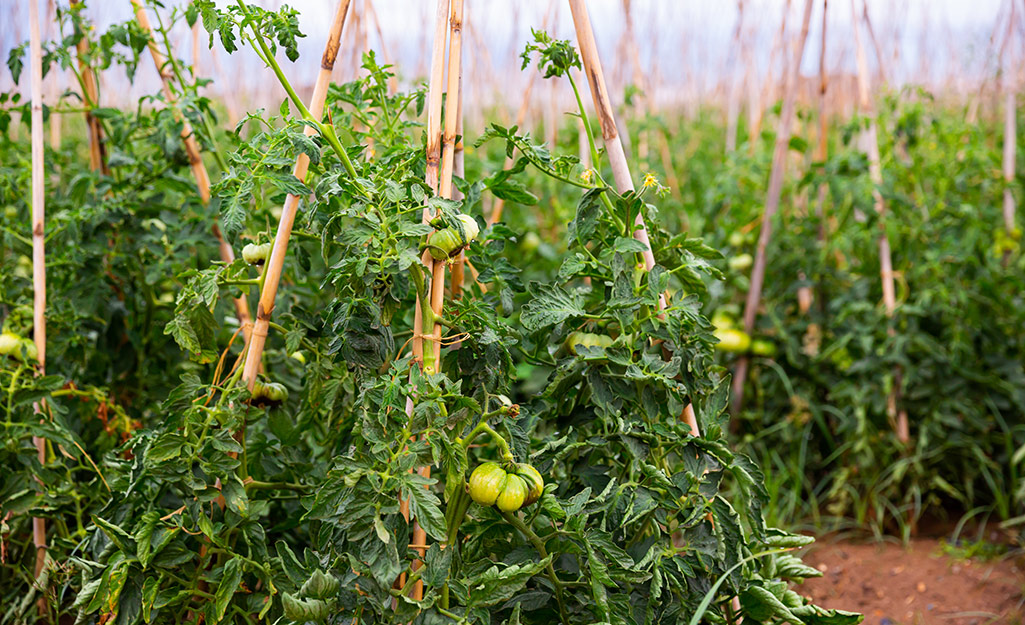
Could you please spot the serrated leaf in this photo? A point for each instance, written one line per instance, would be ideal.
(550, 305)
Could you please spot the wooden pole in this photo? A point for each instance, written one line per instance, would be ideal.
(772, 199)
(435, 182)
(875, 172)
(53, 85)
(880, 60)
(1010, 133)
(821, 150)
(97, 149)
(195, 160)
(455, 60)
(613, 143)
(276, 262)
(38, 255)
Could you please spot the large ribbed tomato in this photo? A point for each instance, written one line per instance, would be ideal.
(486, 483)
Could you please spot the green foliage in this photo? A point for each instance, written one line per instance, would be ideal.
(817, 413)
(172, 495)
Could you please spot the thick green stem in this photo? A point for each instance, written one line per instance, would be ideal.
(503, 445)
(416, 272)
(518, 523)
(326, 130)
(594, 153)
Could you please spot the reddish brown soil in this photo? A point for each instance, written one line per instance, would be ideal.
(915, 585)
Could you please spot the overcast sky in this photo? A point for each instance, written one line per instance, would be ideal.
(680, 41)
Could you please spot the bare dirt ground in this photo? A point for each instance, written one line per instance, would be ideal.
(915, 585)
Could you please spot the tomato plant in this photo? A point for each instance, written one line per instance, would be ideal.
(175, 494)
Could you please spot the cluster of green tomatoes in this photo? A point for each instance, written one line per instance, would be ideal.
(508, 487)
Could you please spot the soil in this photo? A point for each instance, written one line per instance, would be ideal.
(915, 585)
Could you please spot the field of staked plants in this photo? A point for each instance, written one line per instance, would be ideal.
(305, 322)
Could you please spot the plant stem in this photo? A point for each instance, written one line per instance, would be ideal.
(503, 445)
(518, 523)
(327, 131)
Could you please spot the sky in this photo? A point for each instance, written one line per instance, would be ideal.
(682, 43)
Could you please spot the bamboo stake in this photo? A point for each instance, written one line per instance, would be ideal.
(38, 258)
(436, 269)
(883, 73)
(276, 262)
(195, 160)
(973, 105)
(821, 150)
(772, 200)
(458, 156)
(521, 115)
(805, 295)
(53, 85)
(613, 143)
(871, 142)
(1010, 136)
(97, 149)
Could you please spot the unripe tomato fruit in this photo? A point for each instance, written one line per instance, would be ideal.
(448, 242)
(575, 340)
(740, 262)
(269, 394)
(256, 254)
(486, 483)
(722, 320)
(513, 495)
(732, 340)
(9, 343)
(763, 347)
(535, 483)
(736, 239)
(530, 242)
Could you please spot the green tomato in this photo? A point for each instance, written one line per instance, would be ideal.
(535, 483)
(10, 343)
(514, 494)
(268, 394)
(763, 347)
(298, 356)
(736, 238)
(740, 262)
(448, 242)
(722, 320)
(530, 242)
(256, 254)
(486, 483)
(10, 212)
(24, 267)
(576, 340)
(732, 340)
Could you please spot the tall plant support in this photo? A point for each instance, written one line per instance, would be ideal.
(276, 262)
(1010, 134)
(192, 151)
(38, 260)
(440, 186)
(613, 143)
(90, 94)
(899, 418)
(823, 144)
(772, 199)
